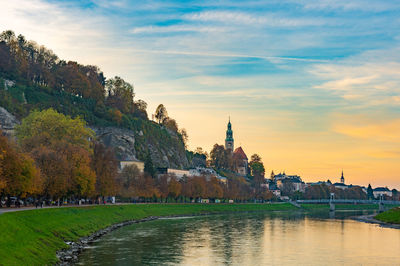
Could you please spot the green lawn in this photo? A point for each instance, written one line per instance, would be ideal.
(33, 237)
(391, 216)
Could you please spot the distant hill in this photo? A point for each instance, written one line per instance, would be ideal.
(33, 77)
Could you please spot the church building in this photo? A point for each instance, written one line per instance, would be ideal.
(239, 156)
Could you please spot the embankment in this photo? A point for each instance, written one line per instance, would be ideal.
(33, 237)
(391, 216)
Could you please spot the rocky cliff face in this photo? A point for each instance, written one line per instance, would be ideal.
(122, 140)
(7, 122)
(130, 145)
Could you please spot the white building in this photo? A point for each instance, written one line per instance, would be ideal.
(382, 191)
(178, 173)
(138, 164)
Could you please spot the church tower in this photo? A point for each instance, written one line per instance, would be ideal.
(229, 137)
(342, 178)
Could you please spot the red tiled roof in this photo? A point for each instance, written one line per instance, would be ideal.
(239, 154)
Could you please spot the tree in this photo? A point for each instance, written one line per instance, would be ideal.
(171, 124)
(120, 95)
(174, 188)
(127, 181)
(370, 192)
(19, 175)
(161, 113)
(221, 158)
(185, 137)
(256, 166)
(148, 166)
(140, 109)
(49, 127)
(163, 186)
(105, 166)
(62, 149)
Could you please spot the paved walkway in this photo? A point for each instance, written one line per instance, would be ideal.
(4, 210)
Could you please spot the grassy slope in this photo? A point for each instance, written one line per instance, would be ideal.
(390, 216)
(33, 237)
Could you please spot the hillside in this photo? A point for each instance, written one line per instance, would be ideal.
(33, 78)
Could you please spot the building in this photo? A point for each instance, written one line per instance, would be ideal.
(137, 163)
(239, 156)
(229, 142)
(341, 185)
(281, 176)
(241, 161)
(382, 191)
(296, 183)
(274, 189)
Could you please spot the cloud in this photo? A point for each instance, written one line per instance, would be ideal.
(373, 77)
(365, 128)
(256, 19)
(175, 28)
(363, 5)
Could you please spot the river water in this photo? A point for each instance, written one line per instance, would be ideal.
(249, 239)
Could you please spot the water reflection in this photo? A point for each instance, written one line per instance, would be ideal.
(249, 239)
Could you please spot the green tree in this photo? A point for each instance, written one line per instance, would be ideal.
(48, 127)
(370, 192)
(148, 166)
(161, 113)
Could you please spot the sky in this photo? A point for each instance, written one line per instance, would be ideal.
(311, 86)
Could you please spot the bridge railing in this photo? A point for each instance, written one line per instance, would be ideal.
(348, 201)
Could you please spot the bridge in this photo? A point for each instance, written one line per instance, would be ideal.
(347, 201)
(332, 201)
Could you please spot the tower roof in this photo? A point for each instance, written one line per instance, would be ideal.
(239, 154)
(229, 132)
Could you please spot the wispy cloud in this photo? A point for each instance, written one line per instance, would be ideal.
(353, 126)
(364, 5)
(175, 28)
(255, 19)
(373, 77)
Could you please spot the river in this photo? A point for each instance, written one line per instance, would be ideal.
(249, 239)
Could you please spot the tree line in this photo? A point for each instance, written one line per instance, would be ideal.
(57, 157)
(42, 80)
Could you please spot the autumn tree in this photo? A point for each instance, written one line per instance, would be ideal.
(62, 149)
(162, 184)
(19, 175)
(120, 95)
(48, 127)
(171, 124)
(257, 171)
(140, 109)
(127, 181)
(105, 165)
(221, 158)
(174, 188)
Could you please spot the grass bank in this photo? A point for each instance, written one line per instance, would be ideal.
(33, 237)
(391, 216)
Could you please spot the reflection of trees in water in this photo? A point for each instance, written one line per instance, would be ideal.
(146, 243)
(236, 238)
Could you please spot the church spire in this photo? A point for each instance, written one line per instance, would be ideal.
(342, 178)
(229, 137)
